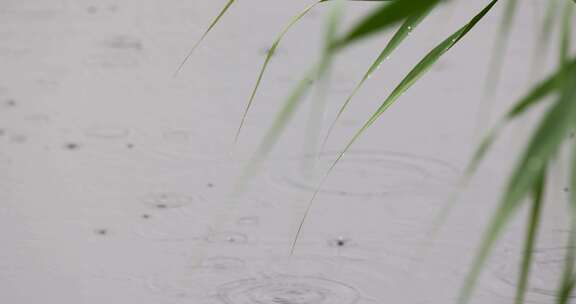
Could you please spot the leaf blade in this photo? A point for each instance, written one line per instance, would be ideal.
(204, 35)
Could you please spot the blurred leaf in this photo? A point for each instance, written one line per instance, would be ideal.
(271, 52)
(294, 99)
(532, 228)
(543, 145)
(565, 40)
(544, 89)
(538, 93)
(545, 34)
(566, 287)
(500, 47)
(424, 65)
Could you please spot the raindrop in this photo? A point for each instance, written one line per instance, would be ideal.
(101, 231)
(339, 242)
(167, 200)
(228, 238)
(71, 146)
(10, 103)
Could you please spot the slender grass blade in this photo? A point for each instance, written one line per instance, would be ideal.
(269, 56)
(566, 287)
(500, 47)
(292, 102)
(543, 145)
(383, 17)
(424, 65)
(532, 227)
(418, 71)
(404, 31)
(210, 27)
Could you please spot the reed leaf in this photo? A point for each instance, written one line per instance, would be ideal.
(404, 31)
(295, 98)
(547, 87)
(417, 72)
(500, 47)
(296, 95)
(204, 35)
(544, 35)
(543, 145)
(269, 56)
(532, 227)
(421, 68)
(384, 17)
(565, 289)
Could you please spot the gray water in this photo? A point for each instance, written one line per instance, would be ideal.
(115, 177)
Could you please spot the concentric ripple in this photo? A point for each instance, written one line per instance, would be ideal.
(288, 290)
(370, 173)
(546, 272)
(175, 219)
(168, 200)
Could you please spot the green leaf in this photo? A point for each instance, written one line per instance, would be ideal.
(197, 44)
(269, 55)
(293, 101)
(537, 94)
(404, 31)
(542, 90)
(566, 41)
(384, 17)
(545, 34)
(296, 95)
(417, 72)
(500, 46)
(532, 227)
(543, 145)
(424, 65)
(568, 276)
